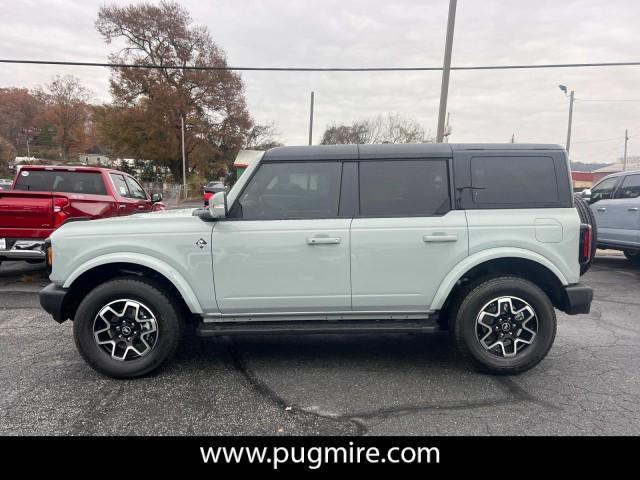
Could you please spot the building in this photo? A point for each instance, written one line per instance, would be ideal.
(604, 171)
(94, 159)
(244, 159)
(581, 180)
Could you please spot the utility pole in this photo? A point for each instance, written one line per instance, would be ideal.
(446, 128)
(513, 138)
(311, 122)
(626, 140)
(184, 161)
(444, 89)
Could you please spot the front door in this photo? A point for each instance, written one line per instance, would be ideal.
(624, 212)
(407, 237)
(603, 207)
(284, 247)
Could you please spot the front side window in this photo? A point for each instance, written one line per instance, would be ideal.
(136, 190)
(630, 187)
(121, 185)
(508, 180)
(400, 188)
(292, 190)
(604, 190)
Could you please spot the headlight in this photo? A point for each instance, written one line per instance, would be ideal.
(48, 252)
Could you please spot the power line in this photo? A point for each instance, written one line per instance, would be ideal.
(321, 69)
(608, 100)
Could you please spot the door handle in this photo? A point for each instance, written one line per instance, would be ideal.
(632, 209)
(121, 206)
(602, 209)
(439, 238)
(141, 207)
(323, 240)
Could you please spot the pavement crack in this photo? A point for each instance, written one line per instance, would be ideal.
(271, 395)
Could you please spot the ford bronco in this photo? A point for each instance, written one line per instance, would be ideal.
(481, 240)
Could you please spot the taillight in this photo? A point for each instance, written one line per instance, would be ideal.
(585, 243)
(48, 251)
(60, 213)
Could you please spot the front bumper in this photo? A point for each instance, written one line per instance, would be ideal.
(577, 299)
(52, 299)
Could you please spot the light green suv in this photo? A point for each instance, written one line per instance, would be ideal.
(480, 240)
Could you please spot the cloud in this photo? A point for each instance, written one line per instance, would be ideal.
(484, 106)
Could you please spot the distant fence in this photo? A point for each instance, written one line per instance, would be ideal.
(174, 193)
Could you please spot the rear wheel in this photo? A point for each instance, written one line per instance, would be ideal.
(504, 325)
(127, 327)
(587, 217)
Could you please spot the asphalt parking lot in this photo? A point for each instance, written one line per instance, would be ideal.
(354, 385)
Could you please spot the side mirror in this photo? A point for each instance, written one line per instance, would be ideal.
(156, 197)
(218, 205)
(586, 194)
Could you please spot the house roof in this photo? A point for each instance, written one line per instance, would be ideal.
(611, 168)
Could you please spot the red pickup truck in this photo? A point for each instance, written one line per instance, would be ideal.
(43, 197)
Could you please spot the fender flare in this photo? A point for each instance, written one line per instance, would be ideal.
(476, 259)
(153, 263)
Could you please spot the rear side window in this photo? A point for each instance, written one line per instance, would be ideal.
(121, 185)
(291, 190)
(514, 180)
(630, 187)
(88, 183)
(397, 188)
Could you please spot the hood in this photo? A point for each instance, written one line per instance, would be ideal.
(159, 222)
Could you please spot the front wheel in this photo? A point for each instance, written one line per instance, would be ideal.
(505, 325)
(127, 327)
(633, 256)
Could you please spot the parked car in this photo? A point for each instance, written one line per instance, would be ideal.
(480, 240)
(44, 197)
(211, 189)
(5, 183)
(615, 203)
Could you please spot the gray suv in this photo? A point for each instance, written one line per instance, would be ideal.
(615, 203)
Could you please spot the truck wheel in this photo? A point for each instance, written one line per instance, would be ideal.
(633, 256)
(586, 216)
(127, 327)
(505, 325)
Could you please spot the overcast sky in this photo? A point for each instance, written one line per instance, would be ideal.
(485, 106)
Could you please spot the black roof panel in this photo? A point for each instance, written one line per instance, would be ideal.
(388, 150)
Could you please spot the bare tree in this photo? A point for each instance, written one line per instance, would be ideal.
(263, 137)
(68, 112)
(391, 128)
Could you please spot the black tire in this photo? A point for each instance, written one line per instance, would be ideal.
(586, 216)
(633, 256)
(163, 307)
(468, 307)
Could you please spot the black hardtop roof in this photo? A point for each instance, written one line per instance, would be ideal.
(387, 150)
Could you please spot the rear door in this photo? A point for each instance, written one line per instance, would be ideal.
(603, 206)
(407, 236)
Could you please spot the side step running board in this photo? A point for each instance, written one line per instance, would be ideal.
(311, 327)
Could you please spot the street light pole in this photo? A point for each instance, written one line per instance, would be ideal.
(571, 98)
(444, 89)
(626, 140)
